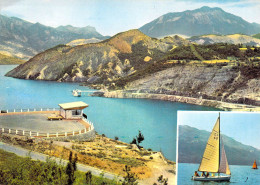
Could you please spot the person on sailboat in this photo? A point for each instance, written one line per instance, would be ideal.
(196, 174)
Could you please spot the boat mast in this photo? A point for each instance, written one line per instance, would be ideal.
(219, 143)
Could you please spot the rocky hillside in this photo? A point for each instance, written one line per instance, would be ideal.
(232, 39)
(7, 60)
(192, 142)
(229, 83)
(117, 57)
(200, 21)
(24, 39)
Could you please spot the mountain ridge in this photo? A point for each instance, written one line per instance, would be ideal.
(24, 39)
(192, 142)
(201, 21)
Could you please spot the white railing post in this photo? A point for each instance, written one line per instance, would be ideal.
(37, 133)
(41, 109)
(21, 110)
(23, 132)
(28, 110)
(65, 134)
(34, 110)
(9, 131)
(3, 129)
(16, 131)
(14, 110)
(73, 133)
(30, 133)
(57, 134)
(7, 110)
(48, 134)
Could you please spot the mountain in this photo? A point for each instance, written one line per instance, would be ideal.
(24, 39)
(7, 60)
(192, 142)
(118, 56)
(232, 39)
(200, 21)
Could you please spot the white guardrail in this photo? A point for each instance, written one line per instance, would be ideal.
(40, 134)
(28, 110)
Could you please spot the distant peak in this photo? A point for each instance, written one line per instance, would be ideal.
(207, 8)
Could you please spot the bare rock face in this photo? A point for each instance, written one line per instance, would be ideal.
(216, 83)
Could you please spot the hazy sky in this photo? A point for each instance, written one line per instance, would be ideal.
(112, 16)
(243, 127)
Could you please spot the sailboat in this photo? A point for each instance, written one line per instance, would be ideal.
(214, 161)
(254, 165)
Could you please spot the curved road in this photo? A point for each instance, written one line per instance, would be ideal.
(42, 157)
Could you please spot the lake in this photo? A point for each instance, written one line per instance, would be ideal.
(239, 175)
(123, 118)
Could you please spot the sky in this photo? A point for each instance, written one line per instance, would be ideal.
(113, 16)
(241, 126)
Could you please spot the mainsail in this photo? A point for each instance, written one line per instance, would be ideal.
(211, 156)
(223, 167)
(254, 165)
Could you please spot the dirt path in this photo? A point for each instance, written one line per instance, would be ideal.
(42, 157)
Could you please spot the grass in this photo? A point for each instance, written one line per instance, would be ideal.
(23, 170)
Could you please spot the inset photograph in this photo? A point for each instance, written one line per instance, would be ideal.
(218, 147)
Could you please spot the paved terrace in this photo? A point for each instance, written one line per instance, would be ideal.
(36, 124)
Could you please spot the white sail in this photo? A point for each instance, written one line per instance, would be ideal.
(210, 159)
(224, 167)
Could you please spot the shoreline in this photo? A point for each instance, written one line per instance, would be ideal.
(182, 99)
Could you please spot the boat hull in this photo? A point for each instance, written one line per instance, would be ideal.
(216, 178)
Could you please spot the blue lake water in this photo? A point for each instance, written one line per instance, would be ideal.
(239, 175)
(156, 119)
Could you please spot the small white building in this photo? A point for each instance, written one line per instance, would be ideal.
(72, 110)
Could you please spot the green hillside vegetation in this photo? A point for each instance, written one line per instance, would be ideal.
(257, 36)
(192, 142)
(23, 170)
(212, 51)
(6, 60)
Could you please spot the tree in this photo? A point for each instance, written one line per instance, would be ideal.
(71, 168)
(89, 177)
(138, 139)
(129, 178)
(163, 181)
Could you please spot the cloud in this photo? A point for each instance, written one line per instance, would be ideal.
(6, 3)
